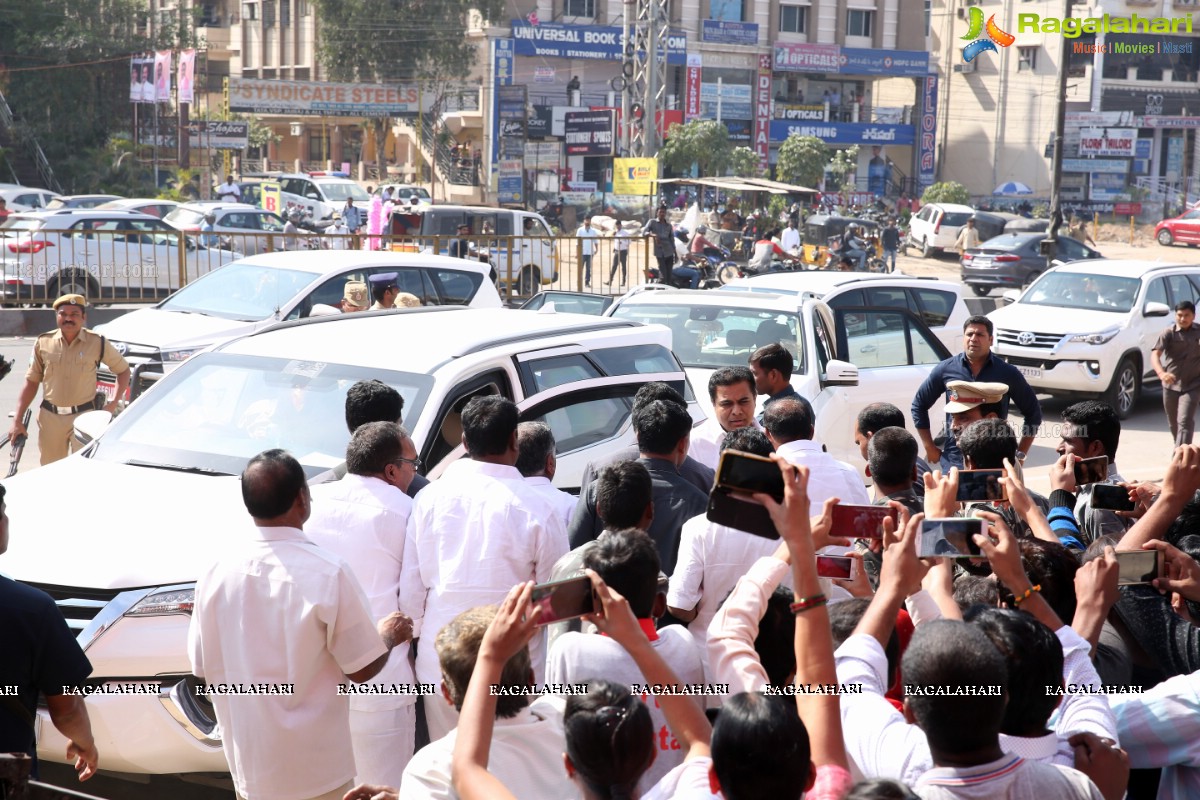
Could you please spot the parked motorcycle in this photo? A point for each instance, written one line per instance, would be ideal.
(730, 271)
(708, 274)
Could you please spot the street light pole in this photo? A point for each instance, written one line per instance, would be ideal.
(1050, 243)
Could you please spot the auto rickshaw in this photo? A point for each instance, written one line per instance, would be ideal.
(823, 230)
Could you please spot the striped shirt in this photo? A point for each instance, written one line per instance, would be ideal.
(1009, 778)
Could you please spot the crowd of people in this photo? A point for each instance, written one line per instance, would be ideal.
(409, 621)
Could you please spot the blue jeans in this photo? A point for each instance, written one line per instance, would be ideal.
(889, 257)
(587, 268)
(861, 255)
(691, 274)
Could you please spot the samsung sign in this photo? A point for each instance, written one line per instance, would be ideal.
(556, 40)
(844, 132)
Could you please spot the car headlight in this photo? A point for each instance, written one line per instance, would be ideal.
(179, 356)
(1103, 337)
(172, 600)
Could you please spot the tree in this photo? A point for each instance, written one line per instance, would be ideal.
(398, 41)
(744, 163)
(946, 192)
(802, 160)
(704, 143)
(843, 162)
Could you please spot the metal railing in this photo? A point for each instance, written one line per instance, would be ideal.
(22, 134)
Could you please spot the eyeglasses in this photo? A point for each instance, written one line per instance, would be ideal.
(416, 462)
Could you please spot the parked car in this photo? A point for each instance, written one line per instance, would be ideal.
(1015, 259)
(80, 201)
(936, 226)
(243, 227)
(320, 196)
(25, 198)
(529, 262)
(404, 192)
(569, 302)
(1086, 328)
(154, 206)
(1184, 229)
(846, 358)
(180, 448)
(939, 303)
(253, 293)
(103, 255)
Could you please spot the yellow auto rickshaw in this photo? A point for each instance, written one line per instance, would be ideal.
(822, 231)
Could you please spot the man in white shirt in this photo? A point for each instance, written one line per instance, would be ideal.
(789, 425)
(281, 614)
(731, 390)
(473, 534)
(627, 560)
(587, 247)
(536, 462)
(621, 253)
(362, 518)
(790, 239)
(229, 191)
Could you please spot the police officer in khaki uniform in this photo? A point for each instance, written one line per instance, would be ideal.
(65, 362)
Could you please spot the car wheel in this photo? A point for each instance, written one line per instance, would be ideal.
(980, 291)
(529, 282)
(1030, 278)
(1125, 388)
(926, 249)
(72, 281)
(1165, 238)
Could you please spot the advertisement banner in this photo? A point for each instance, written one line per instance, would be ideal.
(184, 83)
(543, 74)
(1108, 142)
(141, 80)
(315, 99)
(762, 111)
(218, 135)
(502, 72)
(162, 76)
(815, 113)
(558, 40)
(634, 175)
(926, 132)
(692, 98)
(542, 155)
(1159, 121)
(589, 133)
(510, 188)
(844, 132)
(1094, 165)
(512, 110)
(269, 197)
(1100, 119)
(1108, 187)
(855, 61)
(723, 32)
(735, 100)
(807, 57)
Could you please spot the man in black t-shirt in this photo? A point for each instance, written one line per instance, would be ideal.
(40, 656)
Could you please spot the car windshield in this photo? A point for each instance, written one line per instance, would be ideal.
(218, 410)
(184, 218)
(411, 191)
(711, 337)
(1006, 241)
(340, 191)
(240, 291)
(1081, 290)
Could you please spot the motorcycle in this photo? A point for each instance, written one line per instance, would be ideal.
(701, 263)
(731, 271)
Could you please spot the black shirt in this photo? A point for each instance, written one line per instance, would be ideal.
(38, 654)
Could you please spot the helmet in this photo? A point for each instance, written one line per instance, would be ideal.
(294, 214)
(701, 229)
(853, 226)
(683, 230)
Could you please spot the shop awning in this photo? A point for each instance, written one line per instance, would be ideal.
(736, 184)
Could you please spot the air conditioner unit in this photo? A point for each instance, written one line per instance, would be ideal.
(965, 68)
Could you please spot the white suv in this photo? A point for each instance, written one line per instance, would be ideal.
(1087, 327)
(936, 226)
(846, 358)
(178, 451)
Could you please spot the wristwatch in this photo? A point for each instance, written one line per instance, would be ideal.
(1020, 457)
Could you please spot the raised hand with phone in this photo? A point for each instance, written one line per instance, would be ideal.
(1180, 484)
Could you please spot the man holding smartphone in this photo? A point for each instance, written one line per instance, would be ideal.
(975, 363)
(1176, 360)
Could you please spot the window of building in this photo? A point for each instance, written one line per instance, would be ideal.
(285, 13)
(928, 15)
(1026, 59)
(303, 9)
(793, 19)
(579, 8)
(727, 10)
(318, 146)
(249, 11)
(210, 17)
(268, 13)
(860, 22)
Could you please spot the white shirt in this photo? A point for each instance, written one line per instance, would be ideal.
(525, 755)
(789, 238)
(227, 189)
(363, 520)
(688, 781)
(1161, 728)
(280, 610)
(576, 657)
(1011, 778)
(706, 441)
(339, 229)
(563, 502)
(473, 534)
(827, 476)
(622, 236)
(712, 558)
(586, 236)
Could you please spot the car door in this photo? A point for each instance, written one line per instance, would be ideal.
(1187, 228)
(155, 270)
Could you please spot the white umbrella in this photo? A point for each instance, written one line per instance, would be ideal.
(1013, 187)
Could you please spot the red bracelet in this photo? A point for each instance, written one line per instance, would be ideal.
(806, 603)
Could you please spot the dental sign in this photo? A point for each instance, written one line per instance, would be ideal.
(1108, 142)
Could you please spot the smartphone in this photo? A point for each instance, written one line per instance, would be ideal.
(950, 537)
(842, 568)
(565, 599)
(860, 522)
(980, 485)
(1112, 497)
(746, 472)
(1091, 470)
(1136, 566)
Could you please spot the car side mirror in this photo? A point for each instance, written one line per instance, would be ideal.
(1012, 295)
(1156, 310)
(91, 424)
(840, 373)
(313, 196)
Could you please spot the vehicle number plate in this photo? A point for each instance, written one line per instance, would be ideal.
(981, 262)
(1030, 372)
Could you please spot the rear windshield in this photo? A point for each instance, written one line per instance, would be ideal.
(956, 217)
(184, 217)
(1006, 242)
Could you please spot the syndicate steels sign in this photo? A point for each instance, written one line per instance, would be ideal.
(315, 99)
(218, 135)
